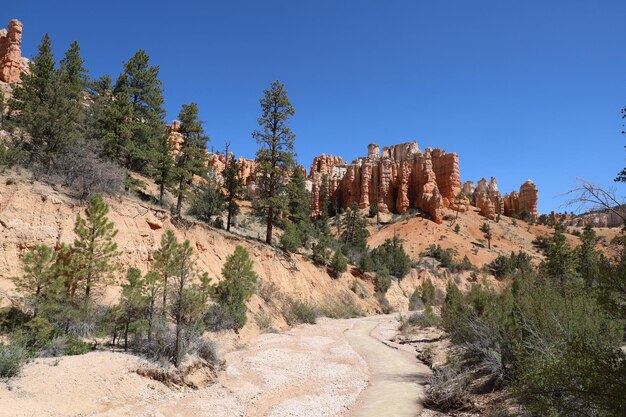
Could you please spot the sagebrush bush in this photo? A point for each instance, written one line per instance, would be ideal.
(297, 312)
(12, 358)
(448, 389)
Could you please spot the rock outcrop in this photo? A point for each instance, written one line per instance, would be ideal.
(523, 201)
(400, 178)
(488, 199)
(11, 62)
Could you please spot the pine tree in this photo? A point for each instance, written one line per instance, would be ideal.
(115, 126)
(486, 229)
(152, 288)
(28, 109)
(93, 248)
(355, 231)
(132, 301)
(588, 256)
(48, 106)
(276, 153)
(238, 285)
(165, 261)
(140, 81)
(190, 160)
(162, 169)
(182, 298)
(560, 262)
(39, 274)
(232, 185)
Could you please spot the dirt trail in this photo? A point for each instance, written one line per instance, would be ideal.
(394, 374)
(333, 368)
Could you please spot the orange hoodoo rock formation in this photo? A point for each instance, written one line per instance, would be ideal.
(400, 178)
(11, 62)
(246, 168)
(524, 200)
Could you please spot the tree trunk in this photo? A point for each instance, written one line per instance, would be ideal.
(270, 224)
(229, 214)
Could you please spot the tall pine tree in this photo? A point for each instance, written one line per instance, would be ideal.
(140, 81)
(94, 248)
(232, 185)
(276, 153)
(190, 160)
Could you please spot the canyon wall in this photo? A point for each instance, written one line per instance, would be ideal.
(524, 200)
(11, 62)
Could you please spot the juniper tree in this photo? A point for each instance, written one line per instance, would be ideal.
(232, 185)
(94, 248)
(140, 81)
(276, 153)
(191, 157)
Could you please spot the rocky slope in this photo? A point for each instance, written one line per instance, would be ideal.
(33, 212)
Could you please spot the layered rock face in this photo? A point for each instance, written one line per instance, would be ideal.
(11, 62)
(524, 200)
(400, 178)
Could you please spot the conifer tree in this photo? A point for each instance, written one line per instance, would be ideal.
(232, 184)
(132, 301)
(191, 157)
(27, 109)
(181, 298)
(486, 229)
(355, 232)
(162, 169)
(276, 153)
(588, 256)
(94, 248)
(165, 261)
(152, 287)
(39, 274)
(238, 285)
(140, 81)
(115, 126)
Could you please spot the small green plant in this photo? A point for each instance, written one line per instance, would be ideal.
(297, 312)
(457, 228)
(339, 264)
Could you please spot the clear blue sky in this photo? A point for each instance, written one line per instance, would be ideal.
(520, 89)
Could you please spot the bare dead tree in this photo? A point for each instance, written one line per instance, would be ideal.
(588, 196)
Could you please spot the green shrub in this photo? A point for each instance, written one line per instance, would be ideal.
(427, 292)
(444, 256)
(12, 358)
(297, 312)
(290, 240)
(504, 266)
(427, 318)
(390, 256)
(383, 282)
(12, 318)
(339, 264)
(359, 289)
(265, 322)
(36, 334)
